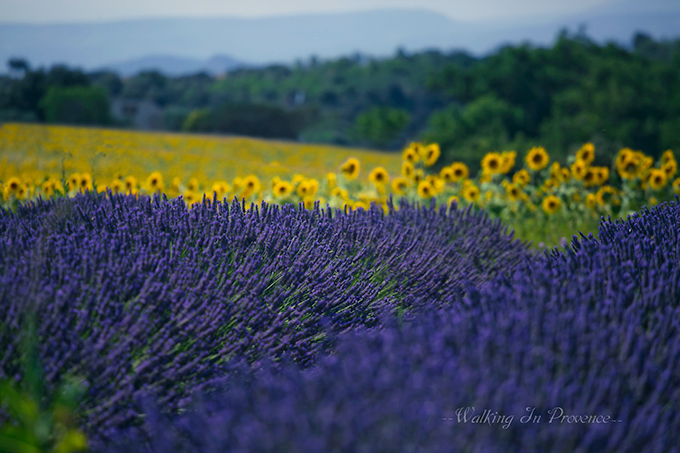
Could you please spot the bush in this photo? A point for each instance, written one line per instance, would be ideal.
(245, 119)
(76, 105)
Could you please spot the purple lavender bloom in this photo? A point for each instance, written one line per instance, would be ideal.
(143, 296)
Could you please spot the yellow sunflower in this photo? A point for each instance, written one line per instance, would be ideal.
(155, 181)
(586, 153)
(579, 169)
(283, 188)
(13, 185)
(492, 163)
(74, 181)
(251, 184)
(305, 189)
(130, 185)
(521, 178)
(446, 174)
(379, 176)
(193, 184)
(565, 175)
(514, 192)
(86, 182)
(430, 154)
(425, 190)
(551, 204)
(590, 178)
(471, 193)
(453, 199)
(607, 194)
(399, 185)
(629, 167)
(460, 171)
(667, 156)
(221, 188)
(117, 186)
(507, 161)
(411, 154)
(676, 186)
(591, 200)
(601, 175)
(670, 168)
(418, 176)
(351, 168)
(537, 158)
(407, 169)
(657, 179)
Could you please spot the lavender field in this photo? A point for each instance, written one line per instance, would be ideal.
(226, 327)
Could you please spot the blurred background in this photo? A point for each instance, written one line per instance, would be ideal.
(471, 76)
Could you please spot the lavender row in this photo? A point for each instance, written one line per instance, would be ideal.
(575, 351)
(142, 295)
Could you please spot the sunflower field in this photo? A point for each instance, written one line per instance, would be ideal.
(544, 201)
(165, 293)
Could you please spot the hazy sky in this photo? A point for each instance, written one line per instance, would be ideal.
(105, 10)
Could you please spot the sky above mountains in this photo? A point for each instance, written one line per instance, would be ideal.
(41, 11)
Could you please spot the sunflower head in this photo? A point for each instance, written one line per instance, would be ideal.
(507, 161)
(514, 192)
(117, 186)
(399, 185)
(579, 169)
(430, 154)
(130, 184)
(565, 175)
(537, 158)
(492, 163)
(607, 195)
(350, 168)
(221, 188)
(670, 168)
(13, 184)
(676, 186)
(283, 188)
(629, 166)
(551, 204)
(425, 190)
(411, 154)
(657, 179)
(74, 181)
(586, 153)
(521, 178)
(407, 169)
(590, 178)
(460, 171)
(85, 182)
(379, 176)
(155, 181)
(591, 200)
(471, 193)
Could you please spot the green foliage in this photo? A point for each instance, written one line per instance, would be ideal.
(381, 125)
(245, 119)
(35, 423)
(76, 105)
(485, 124)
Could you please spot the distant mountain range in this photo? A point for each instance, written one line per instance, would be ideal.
(172, 65)
(187, 45)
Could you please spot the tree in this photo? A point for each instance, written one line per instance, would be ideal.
(76, 105)
(381, 125)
